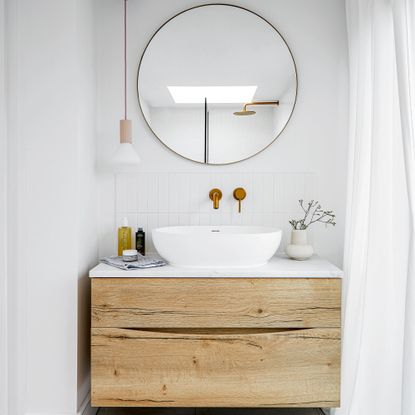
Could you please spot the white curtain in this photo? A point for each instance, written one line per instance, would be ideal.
(404, 25)
(378, 356)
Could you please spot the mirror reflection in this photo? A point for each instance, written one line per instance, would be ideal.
(217, 84)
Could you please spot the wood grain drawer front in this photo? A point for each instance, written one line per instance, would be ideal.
(216, 302)
(279, 368)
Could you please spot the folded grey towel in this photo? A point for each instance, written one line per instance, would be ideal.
(148, 261)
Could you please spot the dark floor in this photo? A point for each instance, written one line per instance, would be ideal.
(207, 411)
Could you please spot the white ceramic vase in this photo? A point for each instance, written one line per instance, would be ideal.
(299, 249)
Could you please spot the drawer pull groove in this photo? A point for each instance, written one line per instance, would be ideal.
(223, 331)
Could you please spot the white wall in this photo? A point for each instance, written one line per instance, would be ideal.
(87, 189)
(3, 218)
(151, 200)
(52, 208)
(51, 180)
(314, 141)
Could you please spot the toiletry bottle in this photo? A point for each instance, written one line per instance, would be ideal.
(140, 241)
(124, 237)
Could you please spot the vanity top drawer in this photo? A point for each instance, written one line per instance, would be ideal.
(216, 303)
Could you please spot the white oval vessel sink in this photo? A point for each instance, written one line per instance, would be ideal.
(217, 246)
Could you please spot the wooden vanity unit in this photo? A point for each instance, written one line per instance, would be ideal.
(265, 337)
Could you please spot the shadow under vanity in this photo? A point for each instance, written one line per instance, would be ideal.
(181, 337)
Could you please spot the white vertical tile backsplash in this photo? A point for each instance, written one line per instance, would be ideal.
(152, 200)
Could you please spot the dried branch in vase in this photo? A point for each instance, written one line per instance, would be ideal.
(312, 213)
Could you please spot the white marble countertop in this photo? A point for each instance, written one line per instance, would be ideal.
(278, 267)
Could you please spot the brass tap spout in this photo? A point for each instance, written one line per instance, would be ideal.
(215, 195)
(239, 194)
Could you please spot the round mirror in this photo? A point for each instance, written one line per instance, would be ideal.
(217, 84)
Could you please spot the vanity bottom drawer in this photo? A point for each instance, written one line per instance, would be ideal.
(216, 368)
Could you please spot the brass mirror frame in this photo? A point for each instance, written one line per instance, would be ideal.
(197, 7)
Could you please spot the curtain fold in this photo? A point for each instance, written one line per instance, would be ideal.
(378, 322)
(404, 31)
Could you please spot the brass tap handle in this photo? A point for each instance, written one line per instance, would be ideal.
(215, 195)
(239, 194)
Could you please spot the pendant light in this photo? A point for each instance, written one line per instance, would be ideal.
(126, 157)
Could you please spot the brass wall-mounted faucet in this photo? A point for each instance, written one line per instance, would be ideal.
(215, 195)
(239, 194)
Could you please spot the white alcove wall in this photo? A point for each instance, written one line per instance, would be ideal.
(51, 224)
(51, 179)
(314, 144)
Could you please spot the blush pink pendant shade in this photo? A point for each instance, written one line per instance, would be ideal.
(126, 156)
